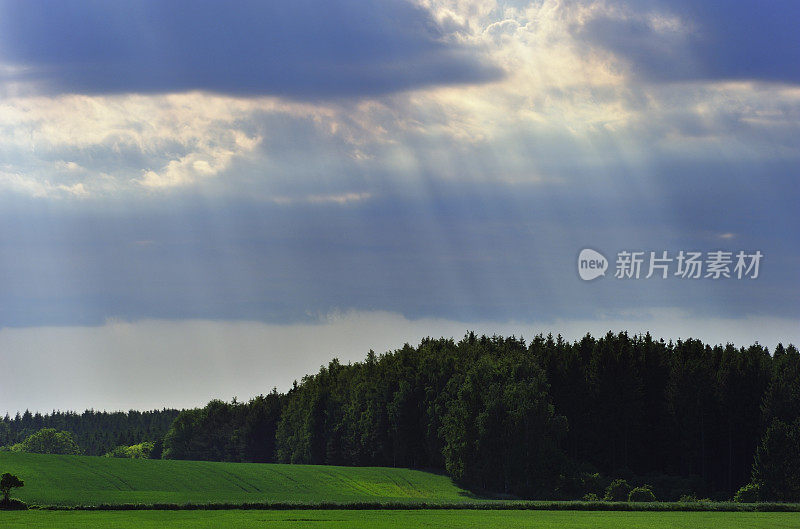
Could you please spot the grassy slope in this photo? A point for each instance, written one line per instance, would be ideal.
(394, 519)
(75, 480)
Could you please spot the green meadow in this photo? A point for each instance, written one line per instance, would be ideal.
(444, 519)
(65, 481)
(87, 480)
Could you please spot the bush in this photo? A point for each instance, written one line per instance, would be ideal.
(617, 491)
(643, 493)
(9, 482)
(49, 441)
(118, 451)
(591, 496)
(750, 493)
(138, 451)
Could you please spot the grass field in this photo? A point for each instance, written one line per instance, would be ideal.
(84, 480)
(393, 519)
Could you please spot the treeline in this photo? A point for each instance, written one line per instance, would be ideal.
(227, 432)
(96, 432)
(547, 419)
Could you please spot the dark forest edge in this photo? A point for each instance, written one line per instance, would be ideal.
(545, 420)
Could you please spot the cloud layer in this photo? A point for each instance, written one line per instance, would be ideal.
(702, 40)
(299, 49)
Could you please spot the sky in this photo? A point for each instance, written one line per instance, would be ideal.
(210, 199)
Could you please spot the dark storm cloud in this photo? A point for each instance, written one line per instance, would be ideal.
(742, 40)
(301, 48)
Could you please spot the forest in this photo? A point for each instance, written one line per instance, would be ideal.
(94, 432)
(546, 419)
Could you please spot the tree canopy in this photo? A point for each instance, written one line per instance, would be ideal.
(49, 441)
(8, 482)
(540, 419)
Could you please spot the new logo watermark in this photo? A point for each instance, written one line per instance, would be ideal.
(662, 264)
(591, 264)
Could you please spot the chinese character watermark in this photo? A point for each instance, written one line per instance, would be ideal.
(630, 264)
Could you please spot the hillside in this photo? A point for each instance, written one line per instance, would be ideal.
(74, 480)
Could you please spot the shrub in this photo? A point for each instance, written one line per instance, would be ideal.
(118, 451)
(7, 483)
(643, 493)
(138, 451)
(750, 493)
(617, 491)
(591, 496)
(49, 441)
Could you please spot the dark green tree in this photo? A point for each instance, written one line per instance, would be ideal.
(500, 430)
(642, 493)
(8, 482)
(777, 463)
(782, 398)
(617, 490)
(260, 423)
(211, 433)
(49, 441)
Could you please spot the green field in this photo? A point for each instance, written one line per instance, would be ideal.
(85, 480)
(394, 519)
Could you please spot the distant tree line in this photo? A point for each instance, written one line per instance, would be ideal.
(545, 419)
(95, 432)
(227, 432)
(49, 441)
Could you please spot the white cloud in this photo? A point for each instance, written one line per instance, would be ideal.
(338, 199)
(206, 162)
(22, 184)
(119, 144)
